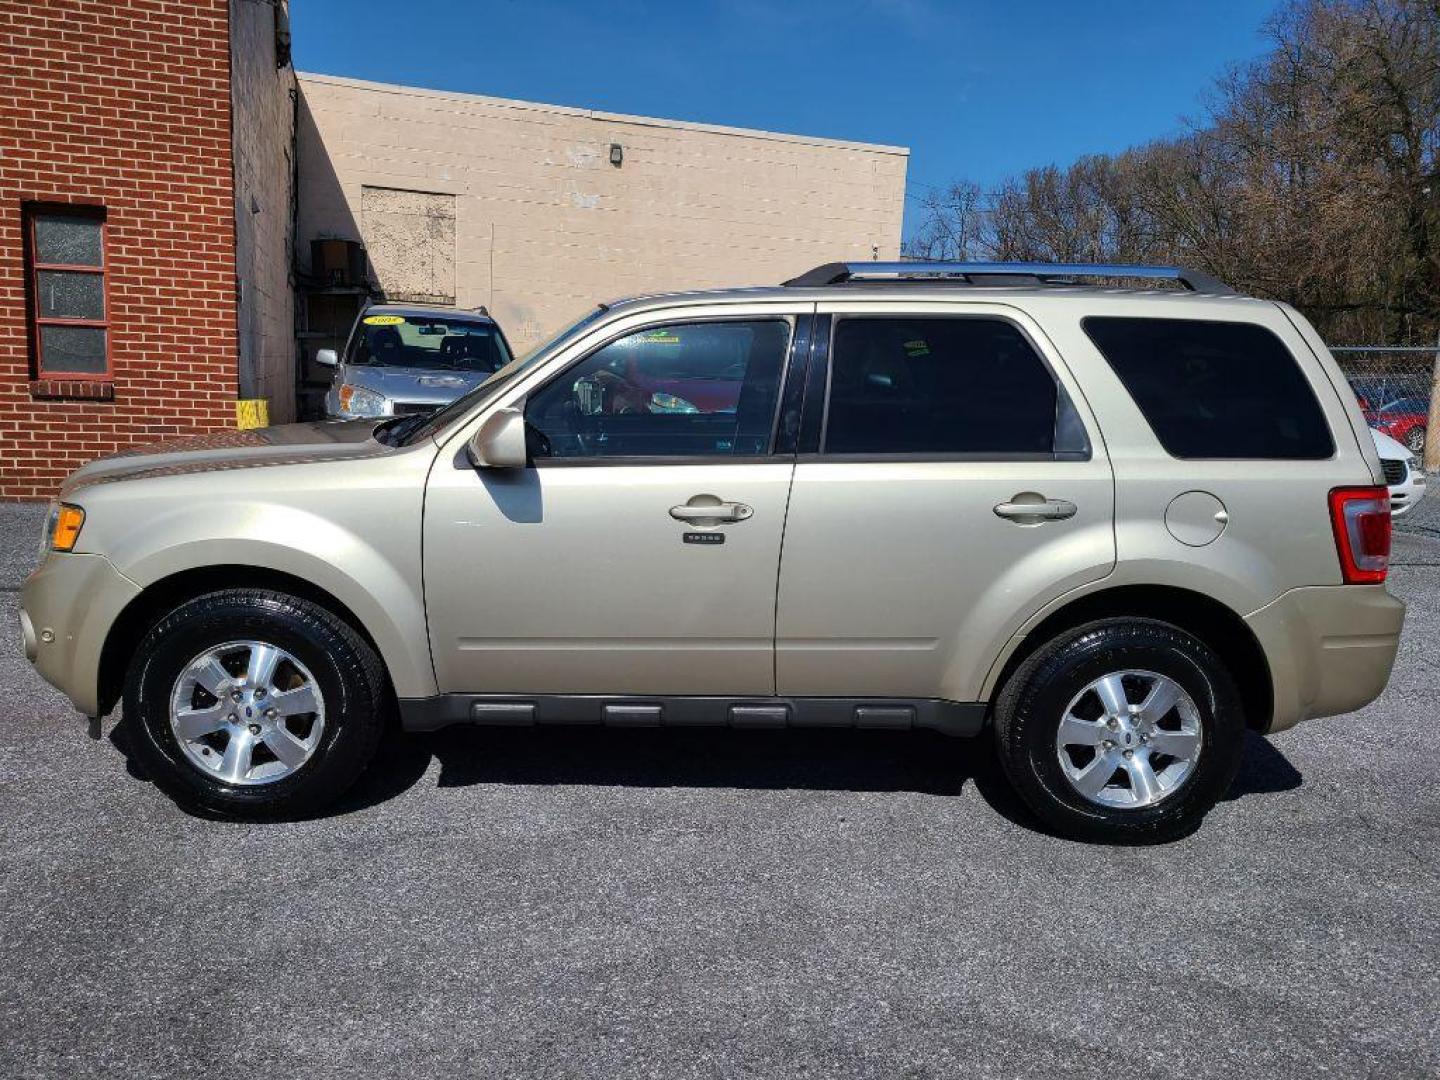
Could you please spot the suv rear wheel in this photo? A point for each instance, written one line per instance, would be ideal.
(253, 703)
(1125, 729)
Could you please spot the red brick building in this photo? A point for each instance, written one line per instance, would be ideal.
(122, 172)
(156, 246)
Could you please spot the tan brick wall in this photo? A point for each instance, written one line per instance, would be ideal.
(545, 225)
(126, 105)
(264, 139)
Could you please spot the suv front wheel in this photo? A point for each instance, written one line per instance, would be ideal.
(253, 703)
(1121, 730)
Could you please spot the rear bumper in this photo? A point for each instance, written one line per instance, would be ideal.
(1330, 649)
(67, 607)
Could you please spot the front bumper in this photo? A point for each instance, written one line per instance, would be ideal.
(1330, 648)
(1405, 495)
(392, 408)
(67, 607)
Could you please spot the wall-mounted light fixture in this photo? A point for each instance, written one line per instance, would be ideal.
(617, 154)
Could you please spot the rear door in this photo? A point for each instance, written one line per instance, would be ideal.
(951, 481)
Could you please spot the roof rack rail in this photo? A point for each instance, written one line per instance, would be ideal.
(1006, 273)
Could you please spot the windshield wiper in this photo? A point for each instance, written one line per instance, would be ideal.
(392, 432)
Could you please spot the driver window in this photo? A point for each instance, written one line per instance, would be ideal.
(680, 390)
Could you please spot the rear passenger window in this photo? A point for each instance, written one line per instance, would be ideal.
(956, 385)
(1215, 389)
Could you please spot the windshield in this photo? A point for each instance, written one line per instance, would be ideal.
(428, 342)
(438, 421)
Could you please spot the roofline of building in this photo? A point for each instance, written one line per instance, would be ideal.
(596, 114)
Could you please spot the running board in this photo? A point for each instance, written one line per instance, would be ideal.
(516, 710)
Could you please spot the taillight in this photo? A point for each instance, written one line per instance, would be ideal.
(1361, 519)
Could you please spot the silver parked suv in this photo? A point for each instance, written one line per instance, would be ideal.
(1117, 526)
(403, 359)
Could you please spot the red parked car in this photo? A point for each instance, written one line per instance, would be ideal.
(1403, 420)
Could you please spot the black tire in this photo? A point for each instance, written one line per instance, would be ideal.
(349, 675)
(1032, 703)
(1415, 441)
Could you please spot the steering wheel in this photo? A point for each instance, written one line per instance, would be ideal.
(536, 441)
(575, 426)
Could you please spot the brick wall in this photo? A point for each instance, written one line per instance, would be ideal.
(125, 104)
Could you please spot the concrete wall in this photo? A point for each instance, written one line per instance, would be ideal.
(263, 114)
(544, 225)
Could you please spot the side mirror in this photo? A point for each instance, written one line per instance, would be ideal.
(500, 442)
(326, 357)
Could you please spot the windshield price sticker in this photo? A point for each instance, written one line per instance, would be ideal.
(384, 320)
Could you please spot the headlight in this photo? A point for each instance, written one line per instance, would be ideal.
(357, 401)
(47, 527)
(1412, 464)
(62, 527)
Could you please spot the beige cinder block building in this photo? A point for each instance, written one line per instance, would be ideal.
(538, 211)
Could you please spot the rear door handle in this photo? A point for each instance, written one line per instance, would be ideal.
(1035, 510)
(712, 511)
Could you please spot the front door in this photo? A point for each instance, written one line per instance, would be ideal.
(954, 487)
(637, 554)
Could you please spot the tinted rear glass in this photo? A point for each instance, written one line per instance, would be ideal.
(1215, 389)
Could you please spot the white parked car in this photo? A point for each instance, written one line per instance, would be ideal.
(1402, 472)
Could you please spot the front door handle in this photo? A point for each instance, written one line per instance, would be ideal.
(1028, 508)
(711, 510)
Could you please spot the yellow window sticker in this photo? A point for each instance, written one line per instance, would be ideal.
(384, 320)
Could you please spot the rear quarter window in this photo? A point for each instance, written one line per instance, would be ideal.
(1215, 389)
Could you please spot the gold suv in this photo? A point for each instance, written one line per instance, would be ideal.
(1117, 524)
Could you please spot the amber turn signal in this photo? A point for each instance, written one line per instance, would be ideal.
(68, 520)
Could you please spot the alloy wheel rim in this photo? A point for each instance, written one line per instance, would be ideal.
(247, 713)
(1129, 739)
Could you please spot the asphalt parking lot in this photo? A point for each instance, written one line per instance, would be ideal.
(718, 904)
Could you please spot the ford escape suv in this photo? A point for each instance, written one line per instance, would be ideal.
(1116, 525)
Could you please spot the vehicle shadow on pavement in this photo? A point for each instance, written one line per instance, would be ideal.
(1265, 770)
(805, 759)
(796, 759)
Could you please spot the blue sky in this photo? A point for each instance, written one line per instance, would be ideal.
(978, 89)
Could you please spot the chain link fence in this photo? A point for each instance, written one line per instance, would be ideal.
(1394, 385)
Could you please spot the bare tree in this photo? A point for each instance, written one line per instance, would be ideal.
(953, 226)
(1314, 178)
